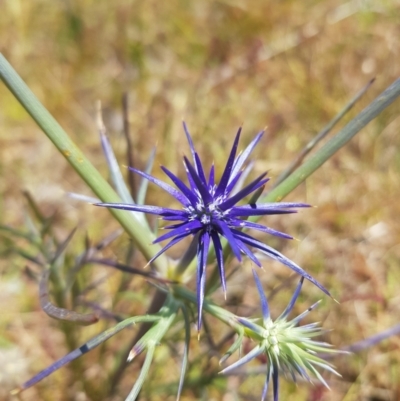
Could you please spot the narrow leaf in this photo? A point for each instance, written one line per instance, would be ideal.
(50, 309)
(263, 298)
(143, 373)
(113, 167)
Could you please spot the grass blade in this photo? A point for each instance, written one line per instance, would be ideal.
(322, 134)
(382, 101)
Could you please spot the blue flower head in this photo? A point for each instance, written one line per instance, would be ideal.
(209, 210)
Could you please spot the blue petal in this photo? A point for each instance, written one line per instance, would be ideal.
(239, 211)
(228, 168)
(161, 211)
(265, 389)
(289, 308)
(196, 161)
(257, 183)
(176, 218)
(191, 181)
(211, 178)
(172, 191)
(201, 185)
(228, 234)
(247, 251)
(297, 319)
(220, 258)
(187, 228)
(254, 353)
(200, 170)
(172, 226)
(263, 298)
(243, 156)
(202, 253)
(181, 186)
(259, 227)
(166, 247)
(189, 139)
(233, 182)
(259, 209)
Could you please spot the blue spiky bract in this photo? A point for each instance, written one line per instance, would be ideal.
(210, 211)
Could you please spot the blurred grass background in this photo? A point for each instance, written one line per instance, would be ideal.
(287, 65)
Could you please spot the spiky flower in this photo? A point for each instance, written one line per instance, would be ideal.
(210, 211)
(289, 348)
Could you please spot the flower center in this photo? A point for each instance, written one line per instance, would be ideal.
(206, 214)
(270, 335)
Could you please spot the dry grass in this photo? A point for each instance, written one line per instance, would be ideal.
(289, 65)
